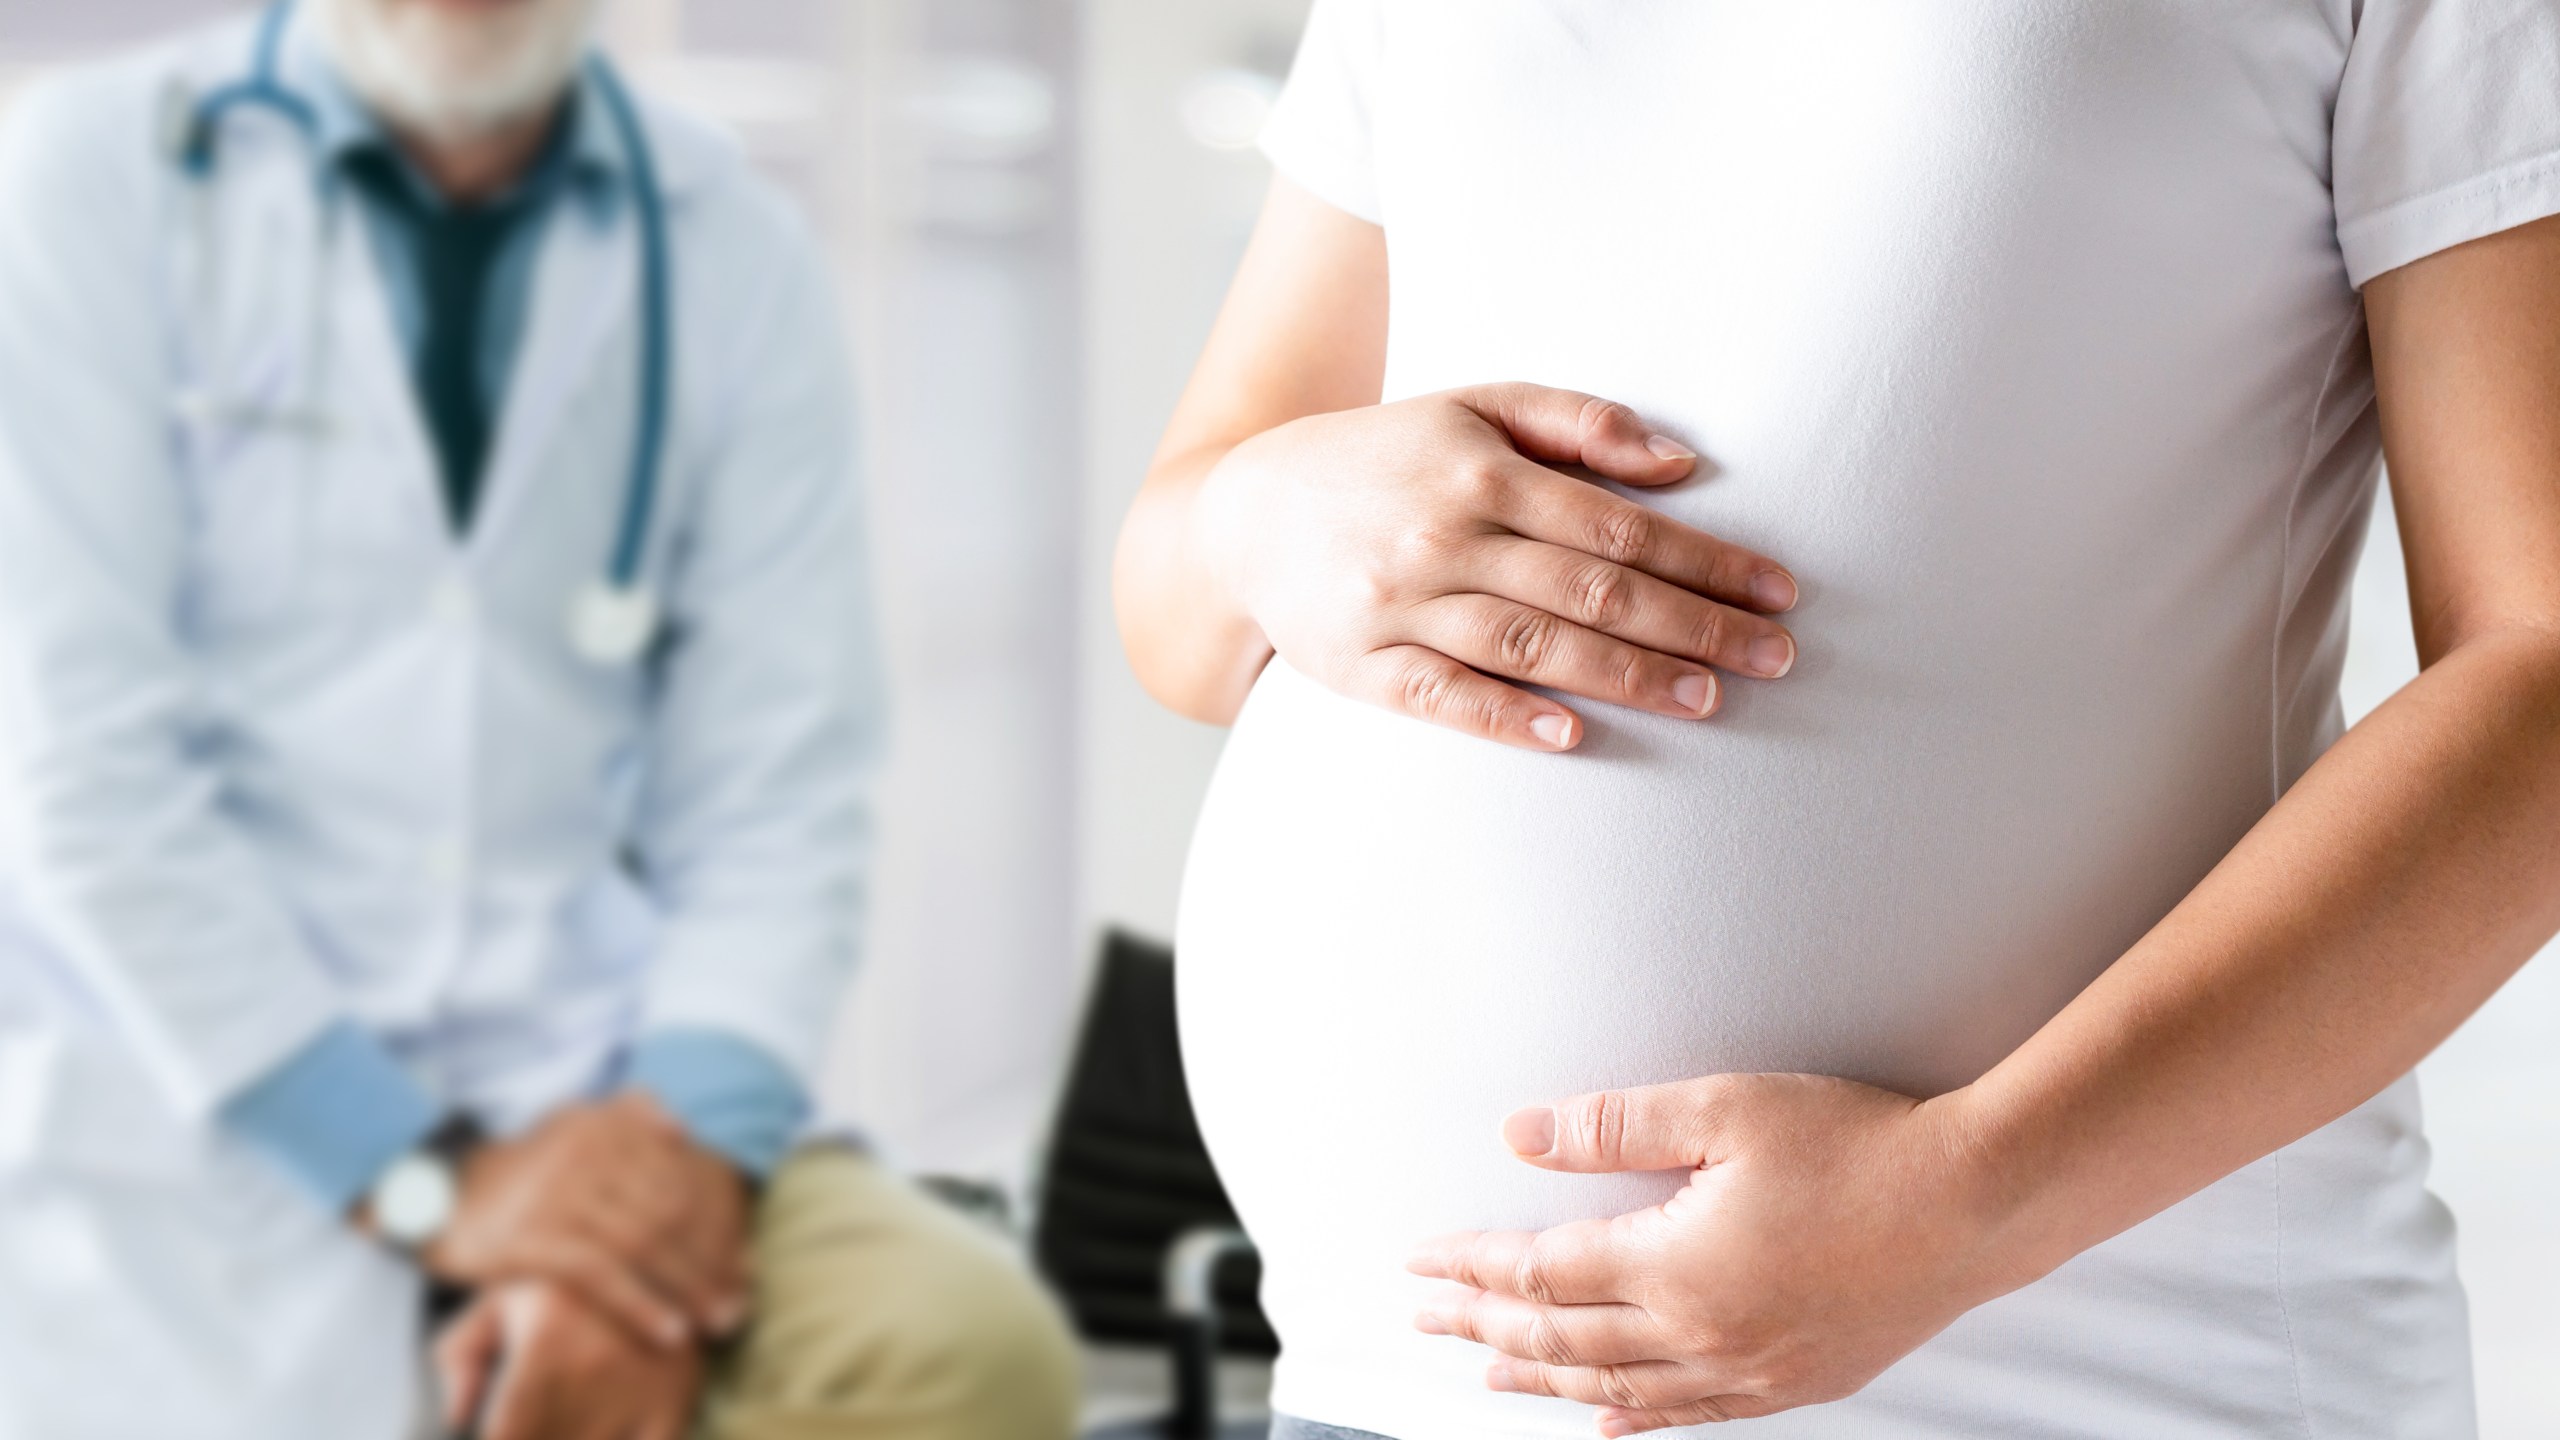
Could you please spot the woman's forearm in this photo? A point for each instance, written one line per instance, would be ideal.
(1192, 646)
(1303, 332)
(2411, 872)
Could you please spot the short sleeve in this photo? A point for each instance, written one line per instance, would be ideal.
(2447, 127)
(1321, 132)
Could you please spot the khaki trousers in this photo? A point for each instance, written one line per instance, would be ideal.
(883, 1315)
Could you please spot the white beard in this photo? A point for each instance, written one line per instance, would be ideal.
(453, 75)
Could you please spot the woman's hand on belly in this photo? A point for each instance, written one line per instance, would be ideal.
(1828, 1229)
(1406, 554)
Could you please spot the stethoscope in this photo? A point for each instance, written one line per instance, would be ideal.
(616, 616)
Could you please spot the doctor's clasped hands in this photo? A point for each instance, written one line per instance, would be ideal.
(614, 1200)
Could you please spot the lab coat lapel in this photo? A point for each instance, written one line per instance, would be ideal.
(583, 294)
(380, 366)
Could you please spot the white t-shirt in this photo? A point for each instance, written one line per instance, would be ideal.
(2027, 333)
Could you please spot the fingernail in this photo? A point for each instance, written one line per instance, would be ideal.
(1499, 1378)
(1694, 693)
(1617, 1427)
(1773, 590)
(1553, 729)
(1771, 656)
(1667, 448)
(1430, 1323)
(1530, 1133)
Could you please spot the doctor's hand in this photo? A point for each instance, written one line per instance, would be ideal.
(1419, 554)
(615, 1200)
(1827, 1229)
(534, 1361)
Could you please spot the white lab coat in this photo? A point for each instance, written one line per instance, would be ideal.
(276, 748)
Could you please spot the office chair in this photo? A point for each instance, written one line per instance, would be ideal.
(1133, 1228)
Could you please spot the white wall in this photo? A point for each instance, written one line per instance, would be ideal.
(1167, 217)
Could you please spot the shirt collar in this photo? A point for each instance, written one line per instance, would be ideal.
(586, 161)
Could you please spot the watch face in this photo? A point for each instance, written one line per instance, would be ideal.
(414, 1200)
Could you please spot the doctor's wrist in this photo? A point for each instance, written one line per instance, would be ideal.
(415, 1198)
(334, 1115)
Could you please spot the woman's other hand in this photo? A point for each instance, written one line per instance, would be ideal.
(1408, 554)
(1828, 1228)
(1425, 555)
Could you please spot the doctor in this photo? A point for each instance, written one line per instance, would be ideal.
(437, 702)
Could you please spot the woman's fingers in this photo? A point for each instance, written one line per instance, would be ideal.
(1635, 607)
(1585, 1262)
(1715, 1409)
(1566, 427)
(1428, 685)
(1641, 1385)
(1548, 1334)
(1530, 645)
(1542, 505)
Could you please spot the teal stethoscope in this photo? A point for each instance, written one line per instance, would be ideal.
(616, 616)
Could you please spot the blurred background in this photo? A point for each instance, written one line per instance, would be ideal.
(1034, 206)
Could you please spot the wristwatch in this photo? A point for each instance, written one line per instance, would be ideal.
(414, 1199)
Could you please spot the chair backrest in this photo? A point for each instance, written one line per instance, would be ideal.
(1127, 1173)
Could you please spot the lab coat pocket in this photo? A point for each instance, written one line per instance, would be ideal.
(74, 1102)
(249, 459)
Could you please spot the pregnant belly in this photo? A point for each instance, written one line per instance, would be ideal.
(1392, 935)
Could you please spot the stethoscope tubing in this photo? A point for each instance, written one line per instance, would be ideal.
(657, 345)
(615, 619)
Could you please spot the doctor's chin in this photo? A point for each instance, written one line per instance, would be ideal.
(620, 633)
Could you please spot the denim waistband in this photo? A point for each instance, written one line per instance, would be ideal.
(1286, 1427)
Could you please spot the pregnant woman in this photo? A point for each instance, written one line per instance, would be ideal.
(1797, 858)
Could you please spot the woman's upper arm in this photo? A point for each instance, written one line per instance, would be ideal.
(2466, 347)
(1304, 330)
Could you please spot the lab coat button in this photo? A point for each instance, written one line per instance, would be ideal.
(444, 863)
(454, 606)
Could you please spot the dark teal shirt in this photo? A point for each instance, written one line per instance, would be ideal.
(461, 278)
